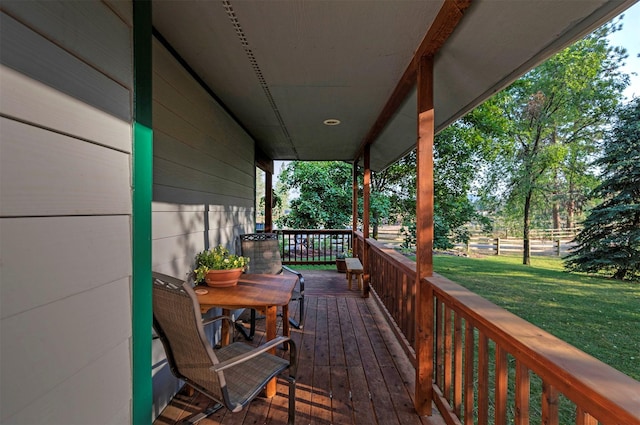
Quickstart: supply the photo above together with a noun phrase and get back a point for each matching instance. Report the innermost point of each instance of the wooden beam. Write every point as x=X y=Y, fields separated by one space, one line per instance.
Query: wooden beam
x=263 y=162
x=268 y=202
x=354 y=197
x=366 y=200
x=424 y=238
x=443 y=25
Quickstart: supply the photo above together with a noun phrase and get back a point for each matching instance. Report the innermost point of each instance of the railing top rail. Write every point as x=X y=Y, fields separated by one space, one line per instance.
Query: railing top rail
x=316 y=231
x=602 y=390
x=403 y=263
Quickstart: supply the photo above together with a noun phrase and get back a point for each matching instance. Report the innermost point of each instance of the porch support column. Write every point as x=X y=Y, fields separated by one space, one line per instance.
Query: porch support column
x=424 y=238
x=365 y=219
x=142 y=197
x=268 y=201
x=354 y=197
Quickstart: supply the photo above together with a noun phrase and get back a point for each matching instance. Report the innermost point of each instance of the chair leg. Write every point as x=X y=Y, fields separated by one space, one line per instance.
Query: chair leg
x=294 y=323
x=301 y=311
x=252 y=328
x=243 y=331
x=292 y=402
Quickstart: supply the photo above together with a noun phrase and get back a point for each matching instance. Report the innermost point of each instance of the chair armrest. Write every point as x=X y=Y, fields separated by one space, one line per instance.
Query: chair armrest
x=254 y=353
x=300 y=278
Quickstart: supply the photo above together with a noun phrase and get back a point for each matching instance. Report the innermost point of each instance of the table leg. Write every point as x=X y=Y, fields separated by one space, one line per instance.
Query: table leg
x=286 y=331
x=270 y=323
x=224 y=331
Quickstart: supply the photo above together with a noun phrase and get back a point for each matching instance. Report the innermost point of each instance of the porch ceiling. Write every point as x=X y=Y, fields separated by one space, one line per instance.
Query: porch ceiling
x=283 y=67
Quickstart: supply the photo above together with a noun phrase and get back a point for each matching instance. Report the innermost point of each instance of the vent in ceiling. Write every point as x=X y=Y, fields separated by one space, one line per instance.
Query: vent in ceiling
x=256 y=69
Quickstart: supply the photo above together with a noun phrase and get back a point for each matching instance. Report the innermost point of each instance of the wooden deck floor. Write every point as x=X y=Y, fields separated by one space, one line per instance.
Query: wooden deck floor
x=351 y=368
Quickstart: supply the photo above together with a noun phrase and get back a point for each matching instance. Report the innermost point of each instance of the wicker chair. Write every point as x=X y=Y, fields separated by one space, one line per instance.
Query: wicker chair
x=264 y=253
x=232 y=375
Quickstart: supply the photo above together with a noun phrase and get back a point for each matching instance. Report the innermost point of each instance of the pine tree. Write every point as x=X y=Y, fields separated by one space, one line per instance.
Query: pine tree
x=610 y=239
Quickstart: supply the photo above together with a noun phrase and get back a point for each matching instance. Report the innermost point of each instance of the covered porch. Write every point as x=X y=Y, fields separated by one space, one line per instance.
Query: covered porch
x=358 y=361
x=145 y=121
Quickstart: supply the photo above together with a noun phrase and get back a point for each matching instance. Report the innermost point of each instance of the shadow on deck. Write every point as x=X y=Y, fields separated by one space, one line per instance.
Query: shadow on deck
x=351 y=369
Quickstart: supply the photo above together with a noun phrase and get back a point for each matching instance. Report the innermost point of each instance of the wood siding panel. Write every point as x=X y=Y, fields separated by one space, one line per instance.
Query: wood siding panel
x=169 y=148
x=169 y=173
x=56 y=241
x=30 y=101
x=45 y=173
x=95 y=399
x=51 y=344
x=65 y=213
x=176 y=90
x=89 y=30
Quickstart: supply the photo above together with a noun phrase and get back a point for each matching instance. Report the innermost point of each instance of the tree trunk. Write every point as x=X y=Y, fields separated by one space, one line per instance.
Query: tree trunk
x=556 y=215
x=375 y=228
x=556 y=205
x=570 y=210
x=526 y=249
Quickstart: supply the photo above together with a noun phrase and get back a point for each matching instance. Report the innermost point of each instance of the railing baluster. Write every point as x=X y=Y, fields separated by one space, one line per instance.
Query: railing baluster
x=439 y=342
x=583 y=418
x=469 y=350
x=549 y=404
x=447 y=354
x=457 y=380
x=502 y=380
x=523 y=389
x=483 y=379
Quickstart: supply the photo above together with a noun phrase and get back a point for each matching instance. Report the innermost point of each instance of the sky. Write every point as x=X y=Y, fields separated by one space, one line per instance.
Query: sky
x=629 y=38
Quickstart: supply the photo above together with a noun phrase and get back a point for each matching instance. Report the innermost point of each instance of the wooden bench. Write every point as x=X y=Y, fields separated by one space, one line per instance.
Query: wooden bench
x=354 y=268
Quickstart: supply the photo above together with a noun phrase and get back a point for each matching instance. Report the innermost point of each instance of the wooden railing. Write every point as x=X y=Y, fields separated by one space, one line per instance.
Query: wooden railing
x=313 y=246
x=491 y=366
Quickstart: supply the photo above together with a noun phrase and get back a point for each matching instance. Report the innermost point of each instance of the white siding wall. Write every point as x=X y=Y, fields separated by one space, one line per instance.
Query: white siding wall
x=204 y=178
x=65 y=210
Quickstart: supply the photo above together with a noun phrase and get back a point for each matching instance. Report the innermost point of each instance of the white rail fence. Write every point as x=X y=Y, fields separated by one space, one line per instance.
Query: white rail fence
x=506 y=246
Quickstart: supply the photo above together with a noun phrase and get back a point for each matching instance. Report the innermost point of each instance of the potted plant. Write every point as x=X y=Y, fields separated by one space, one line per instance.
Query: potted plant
x=341 y=264
x=217 y=267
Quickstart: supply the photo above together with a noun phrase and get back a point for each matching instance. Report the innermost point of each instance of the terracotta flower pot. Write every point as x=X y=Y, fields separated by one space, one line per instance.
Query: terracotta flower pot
x=222 y=278
x=341 y=265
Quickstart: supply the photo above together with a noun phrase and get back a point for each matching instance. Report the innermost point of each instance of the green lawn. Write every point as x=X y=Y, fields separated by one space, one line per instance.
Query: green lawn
x=600 y=316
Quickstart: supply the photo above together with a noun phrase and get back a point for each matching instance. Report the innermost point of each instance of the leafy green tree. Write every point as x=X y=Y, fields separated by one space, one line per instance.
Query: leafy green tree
x=561 y=106
x=458 y=152
x=324 y=194
x=610 y=238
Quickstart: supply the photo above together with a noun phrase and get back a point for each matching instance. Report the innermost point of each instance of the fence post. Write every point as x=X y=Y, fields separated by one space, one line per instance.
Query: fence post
x=468 y=247
x=558 y=247
x=497 y=246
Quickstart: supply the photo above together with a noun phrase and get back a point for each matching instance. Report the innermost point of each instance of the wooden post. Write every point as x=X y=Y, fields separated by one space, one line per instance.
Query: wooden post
x=354 y=207
x=268 y=202
x=424 y=239
x=558 y=247
x=365 y=218
x=497 y=246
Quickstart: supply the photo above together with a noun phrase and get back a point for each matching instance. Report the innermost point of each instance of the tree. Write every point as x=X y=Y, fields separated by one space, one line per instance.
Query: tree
x=458 y=151
x=560 y=107
x=324 y=194
x=610 y=238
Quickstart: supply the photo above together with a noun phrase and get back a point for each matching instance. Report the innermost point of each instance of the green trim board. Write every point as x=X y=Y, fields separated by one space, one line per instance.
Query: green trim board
x=142 y=191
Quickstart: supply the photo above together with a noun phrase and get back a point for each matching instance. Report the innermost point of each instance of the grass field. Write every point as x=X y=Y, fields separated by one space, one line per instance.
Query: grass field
x=599 y=316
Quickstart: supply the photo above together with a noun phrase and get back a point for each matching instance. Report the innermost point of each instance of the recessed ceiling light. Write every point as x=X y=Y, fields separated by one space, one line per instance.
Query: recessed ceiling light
x=331 y=121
